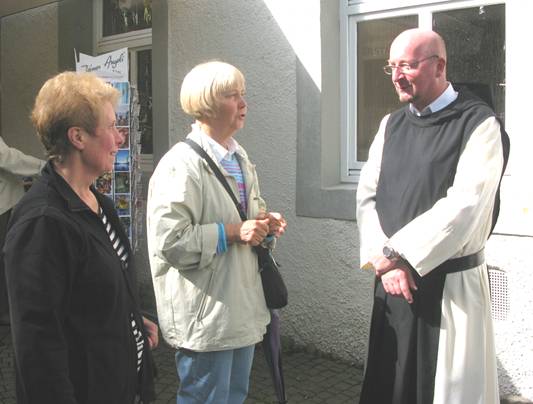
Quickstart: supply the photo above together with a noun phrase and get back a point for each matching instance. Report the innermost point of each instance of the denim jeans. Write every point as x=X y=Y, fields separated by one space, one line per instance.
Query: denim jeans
x=219 y=377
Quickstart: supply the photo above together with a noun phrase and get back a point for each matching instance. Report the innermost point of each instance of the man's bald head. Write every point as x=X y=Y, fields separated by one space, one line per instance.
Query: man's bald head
x=421 y=41
x=425 y=53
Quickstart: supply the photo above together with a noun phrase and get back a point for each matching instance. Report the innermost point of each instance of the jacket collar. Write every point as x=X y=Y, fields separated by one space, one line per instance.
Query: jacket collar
x=201 y=138
x=73 y=201
x=75 y=204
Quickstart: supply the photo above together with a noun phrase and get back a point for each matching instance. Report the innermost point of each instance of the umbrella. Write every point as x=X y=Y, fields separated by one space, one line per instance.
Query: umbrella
x=272 y=350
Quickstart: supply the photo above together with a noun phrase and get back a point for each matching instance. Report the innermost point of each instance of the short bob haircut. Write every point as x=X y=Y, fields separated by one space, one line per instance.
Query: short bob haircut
x=66 y=100
x=205 y=84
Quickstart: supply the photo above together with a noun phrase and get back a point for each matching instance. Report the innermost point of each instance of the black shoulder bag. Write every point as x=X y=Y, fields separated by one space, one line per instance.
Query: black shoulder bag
x=276 y=295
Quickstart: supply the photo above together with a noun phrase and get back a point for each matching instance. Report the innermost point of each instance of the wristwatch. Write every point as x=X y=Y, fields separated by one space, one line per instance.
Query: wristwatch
x=390 y=253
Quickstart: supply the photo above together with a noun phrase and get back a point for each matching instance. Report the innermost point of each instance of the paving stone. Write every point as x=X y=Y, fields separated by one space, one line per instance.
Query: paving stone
x=309 y=378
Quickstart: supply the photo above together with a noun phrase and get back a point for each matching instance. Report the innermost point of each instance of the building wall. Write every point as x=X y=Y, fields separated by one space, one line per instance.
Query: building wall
x=508 y=249
x=330 y=300
x=514 y=327
x=36 y=44
x=29 y=56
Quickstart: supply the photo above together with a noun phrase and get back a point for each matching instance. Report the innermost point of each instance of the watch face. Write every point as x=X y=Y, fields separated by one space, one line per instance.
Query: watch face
x=388 y=252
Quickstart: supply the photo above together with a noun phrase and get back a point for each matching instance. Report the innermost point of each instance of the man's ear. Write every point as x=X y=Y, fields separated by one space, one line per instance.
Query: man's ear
x=441 y=67
x=76 y=137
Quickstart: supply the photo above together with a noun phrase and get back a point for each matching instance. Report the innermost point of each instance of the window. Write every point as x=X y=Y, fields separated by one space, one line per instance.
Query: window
x=374 y=98
x=128 y=23
x=475 y=37
x=121 y=16
x=141 y=78
x=122 y=23
x=474 y=32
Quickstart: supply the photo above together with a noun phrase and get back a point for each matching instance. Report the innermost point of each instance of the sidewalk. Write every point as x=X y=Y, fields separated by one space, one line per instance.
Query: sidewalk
x=308 y=378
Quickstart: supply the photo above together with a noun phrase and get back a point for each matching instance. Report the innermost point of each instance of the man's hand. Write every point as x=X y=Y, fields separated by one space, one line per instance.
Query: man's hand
x=251 y=232
x=152 y=333
x=382 y=264
x=399 y=282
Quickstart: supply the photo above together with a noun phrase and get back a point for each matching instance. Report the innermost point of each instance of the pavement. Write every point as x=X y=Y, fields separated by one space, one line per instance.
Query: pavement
x=309 y=377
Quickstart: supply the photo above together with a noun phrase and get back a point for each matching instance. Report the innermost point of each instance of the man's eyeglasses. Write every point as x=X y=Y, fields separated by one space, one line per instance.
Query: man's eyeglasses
x=405 y=67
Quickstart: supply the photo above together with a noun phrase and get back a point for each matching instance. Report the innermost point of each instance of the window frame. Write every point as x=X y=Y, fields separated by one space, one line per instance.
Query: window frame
x=134 y=39
x=351 y=13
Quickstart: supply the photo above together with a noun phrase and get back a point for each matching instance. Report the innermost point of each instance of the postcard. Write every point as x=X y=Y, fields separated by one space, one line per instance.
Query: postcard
x=124 y=88
x=122 y=182
x=122 y=204
x=122 y=160
x=104 y=183
x=125 y=132
x=123 y=115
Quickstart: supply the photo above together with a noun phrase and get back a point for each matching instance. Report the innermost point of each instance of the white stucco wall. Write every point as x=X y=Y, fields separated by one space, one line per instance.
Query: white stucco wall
x=514 y=333
x=329 y=299
x=511 y=249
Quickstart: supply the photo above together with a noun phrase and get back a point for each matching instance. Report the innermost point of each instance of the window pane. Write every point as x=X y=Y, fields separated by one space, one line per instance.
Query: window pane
x=375 y=93
x=144 y=85
x=475 y=41
x=121 y=16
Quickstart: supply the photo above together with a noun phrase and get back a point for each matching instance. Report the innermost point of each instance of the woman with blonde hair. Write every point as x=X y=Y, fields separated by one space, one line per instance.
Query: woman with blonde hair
x=78 y=335
x=210 y=301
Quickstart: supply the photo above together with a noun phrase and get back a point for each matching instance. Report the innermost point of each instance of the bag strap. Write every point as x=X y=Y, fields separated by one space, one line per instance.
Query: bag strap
x=202 y=153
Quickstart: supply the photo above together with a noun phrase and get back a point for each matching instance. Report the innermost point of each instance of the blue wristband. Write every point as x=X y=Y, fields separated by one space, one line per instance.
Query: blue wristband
x=222 y=245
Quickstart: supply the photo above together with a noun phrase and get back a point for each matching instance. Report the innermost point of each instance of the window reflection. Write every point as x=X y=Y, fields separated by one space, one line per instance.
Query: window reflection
x=375 y=94
x=121 y=16
x=144 y=86
x=475 y=42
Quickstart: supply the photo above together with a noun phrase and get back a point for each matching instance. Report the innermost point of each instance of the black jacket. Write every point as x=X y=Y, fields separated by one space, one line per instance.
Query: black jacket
x=71 y=299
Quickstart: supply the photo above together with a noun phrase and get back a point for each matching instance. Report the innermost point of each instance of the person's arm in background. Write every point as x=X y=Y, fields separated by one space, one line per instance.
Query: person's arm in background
x=18 y=163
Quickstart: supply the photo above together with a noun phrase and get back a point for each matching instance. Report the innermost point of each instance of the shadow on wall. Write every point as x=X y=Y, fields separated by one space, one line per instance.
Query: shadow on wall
x=509 y=393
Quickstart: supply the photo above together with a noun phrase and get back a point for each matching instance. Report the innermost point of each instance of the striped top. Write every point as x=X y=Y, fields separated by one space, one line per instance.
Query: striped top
x=232 y=166
x=122 y=253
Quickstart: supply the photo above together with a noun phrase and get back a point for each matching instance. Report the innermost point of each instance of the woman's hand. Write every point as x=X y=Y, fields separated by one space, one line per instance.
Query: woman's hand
x=251 y=232
x=277 y=223
x=152 y=333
